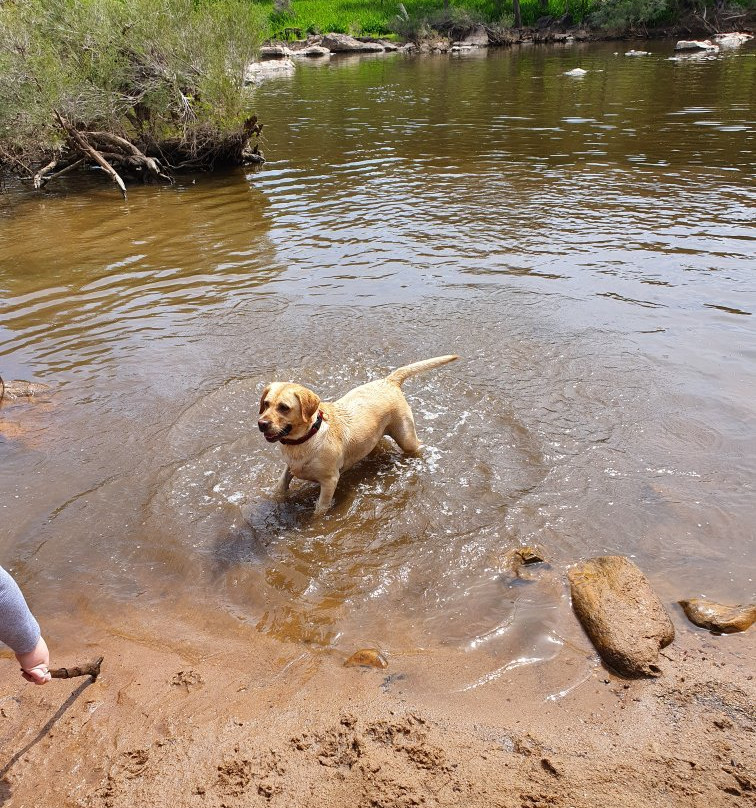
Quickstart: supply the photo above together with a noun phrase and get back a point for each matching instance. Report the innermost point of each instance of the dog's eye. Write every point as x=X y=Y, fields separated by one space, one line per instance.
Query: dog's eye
x=263 y=406
x=283 y=407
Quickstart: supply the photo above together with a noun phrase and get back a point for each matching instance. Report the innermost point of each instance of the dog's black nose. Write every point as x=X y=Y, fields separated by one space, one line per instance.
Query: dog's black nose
x=263 y=425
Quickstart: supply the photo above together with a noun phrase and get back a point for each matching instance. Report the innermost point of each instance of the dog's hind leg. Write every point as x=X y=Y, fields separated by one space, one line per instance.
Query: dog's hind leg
x=402 y=430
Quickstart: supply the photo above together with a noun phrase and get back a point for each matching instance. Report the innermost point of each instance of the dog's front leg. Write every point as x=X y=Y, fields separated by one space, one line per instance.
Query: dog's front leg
x=283 y=483
x=327 y=490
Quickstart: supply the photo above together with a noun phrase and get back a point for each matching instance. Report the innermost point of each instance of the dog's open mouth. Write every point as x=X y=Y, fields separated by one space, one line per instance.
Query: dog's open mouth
x=272 y=437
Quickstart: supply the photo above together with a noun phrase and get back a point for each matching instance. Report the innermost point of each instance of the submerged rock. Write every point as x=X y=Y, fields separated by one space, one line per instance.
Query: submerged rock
x=621 y=614
x=638 y=53
x=367 y=658
x=578 y=71
x=718 y=618
x=519 y=562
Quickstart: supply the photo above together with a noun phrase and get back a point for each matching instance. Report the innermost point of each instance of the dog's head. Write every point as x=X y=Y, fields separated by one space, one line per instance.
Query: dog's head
x=286 y=411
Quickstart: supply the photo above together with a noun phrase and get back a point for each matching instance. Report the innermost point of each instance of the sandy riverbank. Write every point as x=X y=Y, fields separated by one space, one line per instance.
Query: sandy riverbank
x=251 y=721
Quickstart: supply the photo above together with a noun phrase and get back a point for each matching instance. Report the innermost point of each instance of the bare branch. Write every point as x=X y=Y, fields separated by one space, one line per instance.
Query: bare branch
x=84 y=147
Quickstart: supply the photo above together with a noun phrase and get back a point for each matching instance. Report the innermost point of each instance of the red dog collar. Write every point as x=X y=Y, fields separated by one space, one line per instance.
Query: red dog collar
x=313 y=429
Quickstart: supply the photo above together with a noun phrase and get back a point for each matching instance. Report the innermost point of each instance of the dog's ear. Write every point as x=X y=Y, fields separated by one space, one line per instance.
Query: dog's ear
x=262 y=398
x=308 y=402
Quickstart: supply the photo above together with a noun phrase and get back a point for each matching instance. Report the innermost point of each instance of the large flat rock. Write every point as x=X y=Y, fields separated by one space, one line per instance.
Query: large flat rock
x=621 y=614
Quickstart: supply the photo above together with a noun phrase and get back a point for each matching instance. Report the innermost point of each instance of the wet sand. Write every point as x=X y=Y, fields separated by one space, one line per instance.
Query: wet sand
x=250 y=721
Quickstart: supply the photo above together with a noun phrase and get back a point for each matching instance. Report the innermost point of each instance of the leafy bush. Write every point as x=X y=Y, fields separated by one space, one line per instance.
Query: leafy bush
x=149 y=69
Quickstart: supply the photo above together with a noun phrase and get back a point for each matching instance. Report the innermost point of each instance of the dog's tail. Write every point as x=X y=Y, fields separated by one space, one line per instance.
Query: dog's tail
x=403 y=373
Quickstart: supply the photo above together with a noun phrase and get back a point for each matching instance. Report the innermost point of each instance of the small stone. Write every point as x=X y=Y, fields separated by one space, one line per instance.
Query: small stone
x=513 y=563
x=367 y=658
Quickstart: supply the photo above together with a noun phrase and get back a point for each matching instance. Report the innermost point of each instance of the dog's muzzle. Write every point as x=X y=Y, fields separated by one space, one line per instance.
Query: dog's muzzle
x=272 y=437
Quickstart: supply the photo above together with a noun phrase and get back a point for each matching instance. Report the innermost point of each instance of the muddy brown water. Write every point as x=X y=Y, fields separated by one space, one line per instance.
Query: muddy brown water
x=586 y=245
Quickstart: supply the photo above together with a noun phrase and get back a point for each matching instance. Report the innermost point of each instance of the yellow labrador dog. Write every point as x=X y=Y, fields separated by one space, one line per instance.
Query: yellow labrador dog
x=319 y=440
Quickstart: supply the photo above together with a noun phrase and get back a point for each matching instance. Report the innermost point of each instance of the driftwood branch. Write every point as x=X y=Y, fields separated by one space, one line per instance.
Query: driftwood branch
x=39 y=180
x=90 y=669
x=90 y=152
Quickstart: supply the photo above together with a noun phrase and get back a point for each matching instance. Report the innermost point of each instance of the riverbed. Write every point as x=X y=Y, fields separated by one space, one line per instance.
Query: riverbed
x=586 y=245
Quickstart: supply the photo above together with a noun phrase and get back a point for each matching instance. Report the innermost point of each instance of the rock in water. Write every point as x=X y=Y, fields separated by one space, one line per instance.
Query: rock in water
x=20 y=389
x=578 y=71
x=270 y=68
x=696 y=44
x=621 y=614
x=367 y=658
x=718 y=618
x=733 y=40
x=341 y=43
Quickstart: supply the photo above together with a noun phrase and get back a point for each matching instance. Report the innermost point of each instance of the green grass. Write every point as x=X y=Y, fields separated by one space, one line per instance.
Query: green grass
x=379 y=17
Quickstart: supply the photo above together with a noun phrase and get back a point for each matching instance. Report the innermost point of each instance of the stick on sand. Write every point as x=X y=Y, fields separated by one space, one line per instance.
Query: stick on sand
x=90 y=669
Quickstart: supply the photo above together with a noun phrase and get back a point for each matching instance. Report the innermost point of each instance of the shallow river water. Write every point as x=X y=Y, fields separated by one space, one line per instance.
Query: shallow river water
x=587 y=246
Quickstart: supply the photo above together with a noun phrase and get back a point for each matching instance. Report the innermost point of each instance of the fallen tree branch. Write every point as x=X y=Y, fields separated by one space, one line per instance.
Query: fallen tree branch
x=70 y=167
x=85 y=148
x=138 y=159
x=114 y=140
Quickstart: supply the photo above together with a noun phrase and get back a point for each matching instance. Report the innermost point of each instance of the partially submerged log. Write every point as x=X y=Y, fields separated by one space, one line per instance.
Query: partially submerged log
x=718 y=618
x=621 y=614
